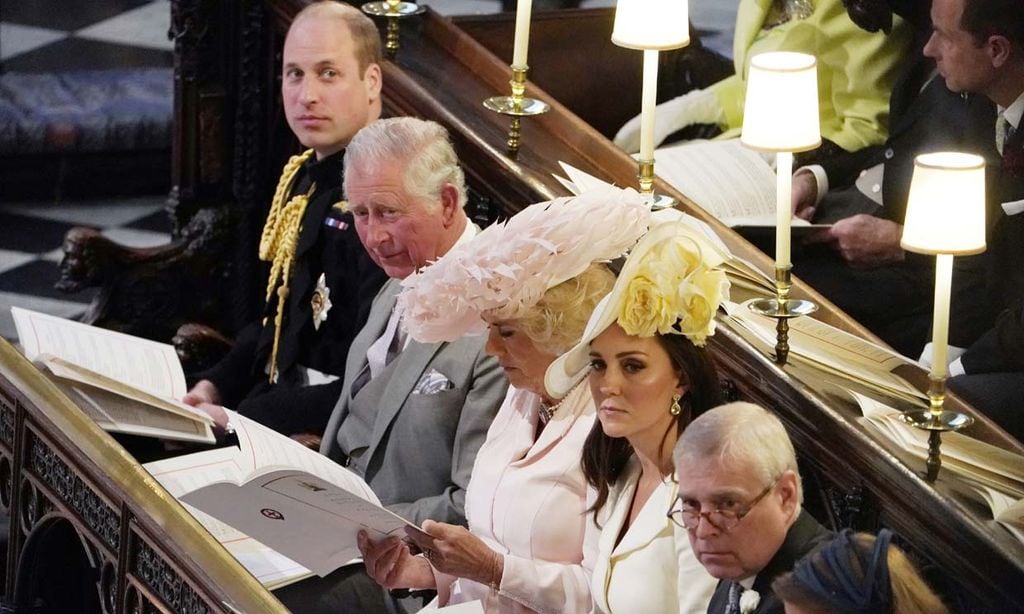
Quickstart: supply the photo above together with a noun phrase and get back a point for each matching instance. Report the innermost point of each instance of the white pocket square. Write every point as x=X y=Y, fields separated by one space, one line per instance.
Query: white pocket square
x=432 y=382
x=1013 y=207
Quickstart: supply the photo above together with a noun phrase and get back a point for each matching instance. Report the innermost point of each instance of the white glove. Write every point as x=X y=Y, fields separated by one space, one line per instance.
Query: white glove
x=953 y=354
x=693 y=107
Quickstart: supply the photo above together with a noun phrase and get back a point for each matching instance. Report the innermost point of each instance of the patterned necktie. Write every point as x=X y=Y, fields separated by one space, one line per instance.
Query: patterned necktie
x=1012 y=152
x=1002 y=132
x=733 y=607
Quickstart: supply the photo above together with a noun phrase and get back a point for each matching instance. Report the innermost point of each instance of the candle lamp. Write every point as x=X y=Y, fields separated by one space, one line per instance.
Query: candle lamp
x=517 y=105
x=392 y=10
x=780 y=115
x=650 y=26
x=945 y=218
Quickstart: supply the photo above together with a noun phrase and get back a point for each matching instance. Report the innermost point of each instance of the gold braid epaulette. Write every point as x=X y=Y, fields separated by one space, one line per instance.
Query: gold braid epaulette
x=279 y=240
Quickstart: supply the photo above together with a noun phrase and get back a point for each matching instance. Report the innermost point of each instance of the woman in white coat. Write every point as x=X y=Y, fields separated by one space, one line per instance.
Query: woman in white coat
x=649 y=378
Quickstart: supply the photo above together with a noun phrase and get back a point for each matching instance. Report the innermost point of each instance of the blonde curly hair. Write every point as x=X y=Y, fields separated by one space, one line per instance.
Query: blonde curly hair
x=556 y=322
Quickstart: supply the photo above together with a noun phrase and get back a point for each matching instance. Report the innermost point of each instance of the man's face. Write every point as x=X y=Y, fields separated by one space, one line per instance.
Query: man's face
x=744 y=550
x=402 y=233
x=326 y=97
x=966 y=66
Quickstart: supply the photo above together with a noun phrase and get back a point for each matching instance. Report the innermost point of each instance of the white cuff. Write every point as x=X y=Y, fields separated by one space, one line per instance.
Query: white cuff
x=820 y=178
x=957 y=368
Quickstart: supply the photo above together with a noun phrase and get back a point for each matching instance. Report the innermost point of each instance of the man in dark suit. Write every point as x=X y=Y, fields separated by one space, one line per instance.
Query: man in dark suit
x=740 y=500
x=858 y=263
x=979 y=44
x=285 y=370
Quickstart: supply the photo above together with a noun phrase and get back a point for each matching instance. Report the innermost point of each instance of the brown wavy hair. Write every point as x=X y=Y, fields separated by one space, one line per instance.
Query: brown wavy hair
x=604 y=457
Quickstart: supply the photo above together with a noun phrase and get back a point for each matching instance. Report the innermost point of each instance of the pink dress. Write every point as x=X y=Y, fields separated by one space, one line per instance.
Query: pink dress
x=527 y=500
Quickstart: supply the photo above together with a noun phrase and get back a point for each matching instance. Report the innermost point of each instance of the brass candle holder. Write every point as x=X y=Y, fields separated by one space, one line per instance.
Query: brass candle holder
x=936 y=420
x=945 y=218
x=392 y=10
x=516 y=106
x=782 y=308
x=645 y=178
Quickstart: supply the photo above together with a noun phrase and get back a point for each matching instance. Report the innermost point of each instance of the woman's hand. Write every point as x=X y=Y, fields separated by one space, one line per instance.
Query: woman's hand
x=453 y=550
x=390 y=563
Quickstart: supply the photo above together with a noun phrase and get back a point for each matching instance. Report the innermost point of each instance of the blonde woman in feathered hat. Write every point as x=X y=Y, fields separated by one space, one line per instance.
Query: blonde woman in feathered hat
x=649 y=376
x=530 y=284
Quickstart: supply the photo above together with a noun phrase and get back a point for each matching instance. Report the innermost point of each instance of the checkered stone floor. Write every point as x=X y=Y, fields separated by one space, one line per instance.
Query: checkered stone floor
x=30 y=248
x=39 y=36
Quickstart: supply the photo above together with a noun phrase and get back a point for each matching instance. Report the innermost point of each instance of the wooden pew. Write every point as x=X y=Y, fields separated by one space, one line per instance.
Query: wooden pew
x=90 y=530
x=231 y=142
x=442 y=73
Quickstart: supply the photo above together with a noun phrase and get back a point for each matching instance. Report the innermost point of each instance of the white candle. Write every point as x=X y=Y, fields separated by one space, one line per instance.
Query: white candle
x=940 y=325
x=649 y=97
x=783 y=206
x=523 y=8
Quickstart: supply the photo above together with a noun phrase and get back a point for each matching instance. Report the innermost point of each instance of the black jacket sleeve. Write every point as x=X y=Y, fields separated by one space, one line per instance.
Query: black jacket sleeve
x=294 y=410
x=234 y=375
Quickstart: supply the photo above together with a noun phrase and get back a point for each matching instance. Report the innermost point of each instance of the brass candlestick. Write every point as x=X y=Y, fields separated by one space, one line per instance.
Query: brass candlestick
x=782 y=308
x=392 y=10
x=645 y=177
x=516 y=106
x=936 y=420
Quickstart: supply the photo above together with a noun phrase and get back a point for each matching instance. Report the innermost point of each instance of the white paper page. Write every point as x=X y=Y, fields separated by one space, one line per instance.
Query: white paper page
x=142 y=363
x=724 y=178
x=966 y=456
x=116 y=414
x=275 y=509
x=183 y=474
x=64 y=369
x=266 y=450
x=832 y=349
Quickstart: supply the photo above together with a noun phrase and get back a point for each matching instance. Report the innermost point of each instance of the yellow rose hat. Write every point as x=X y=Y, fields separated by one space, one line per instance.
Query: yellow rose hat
x=665 y=287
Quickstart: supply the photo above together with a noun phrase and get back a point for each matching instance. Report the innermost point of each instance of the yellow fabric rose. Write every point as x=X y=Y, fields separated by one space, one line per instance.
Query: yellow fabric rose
x=700 y=299
x=673 y=291
x=647 y=309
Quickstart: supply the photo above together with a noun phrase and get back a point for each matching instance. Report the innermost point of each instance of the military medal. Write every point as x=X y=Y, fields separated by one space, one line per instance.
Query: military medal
x=321 y=301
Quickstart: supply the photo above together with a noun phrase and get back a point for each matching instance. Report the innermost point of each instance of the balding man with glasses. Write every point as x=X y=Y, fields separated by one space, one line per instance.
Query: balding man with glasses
x=739 y=500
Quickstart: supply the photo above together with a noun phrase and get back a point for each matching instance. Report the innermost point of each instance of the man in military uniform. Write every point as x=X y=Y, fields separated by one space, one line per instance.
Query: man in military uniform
x=286 y=370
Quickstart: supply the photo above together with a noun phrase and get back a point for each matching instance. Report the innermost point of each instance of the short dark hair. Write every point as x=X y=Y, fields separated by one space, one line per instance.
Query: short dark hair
x=604 y=457
x=365 y=36
x=985 y=18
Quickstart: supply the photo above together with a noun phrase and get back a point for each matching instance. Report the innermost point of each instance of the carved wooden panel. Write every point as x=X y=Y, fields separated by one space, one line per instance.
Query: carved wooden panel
x=76 y=496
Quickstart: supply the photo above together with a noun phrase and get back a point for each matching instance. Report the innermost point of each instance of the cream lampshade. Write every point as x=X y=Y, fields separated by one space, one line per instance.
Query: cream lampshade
x=945 y=217
x=781 y=108
x=780 y=114
x=651 y=24
x=946 y=205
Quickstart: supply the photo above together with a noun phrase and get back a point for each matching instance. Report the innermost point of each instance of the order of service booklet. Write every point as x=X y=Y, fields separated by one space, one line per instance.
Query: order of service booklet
x=980 y=470
x=747 y=280
x=282 y=509
x=126 y=384
x=728 y=180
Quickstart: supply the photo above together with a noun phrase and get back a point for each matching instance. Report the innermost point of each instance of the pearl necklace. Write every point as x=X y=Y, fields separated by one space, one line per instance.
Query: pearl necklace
x=547 y=412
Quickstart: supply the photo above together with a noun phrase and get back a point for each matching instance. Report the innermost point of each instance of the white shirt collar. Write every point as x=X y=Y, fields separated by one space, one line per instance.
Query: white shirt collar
x=1014 y=112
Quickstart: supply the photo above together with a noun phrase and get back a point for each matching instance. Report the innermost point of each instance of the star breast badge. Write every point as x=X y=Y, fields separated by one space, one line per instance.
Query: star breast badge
x=321 y=301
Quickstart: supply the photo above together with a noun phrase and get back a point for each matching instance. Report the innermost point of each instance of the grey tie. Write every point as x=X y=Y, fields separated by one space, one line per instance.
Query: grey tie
x=733 y=607
x=1004 y=130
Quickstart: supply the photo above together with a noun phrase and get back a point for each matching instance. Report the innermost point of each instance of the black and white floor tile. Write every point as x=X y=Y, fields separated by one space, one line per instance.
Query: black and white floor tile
x=61 y=35
x=30 y=248
x=57 y=35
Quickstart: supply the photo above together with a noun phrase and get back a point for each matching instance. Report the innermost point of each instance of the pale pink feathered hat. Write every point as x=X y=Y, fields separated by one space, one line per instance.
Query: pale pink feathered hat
x=508 y=267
